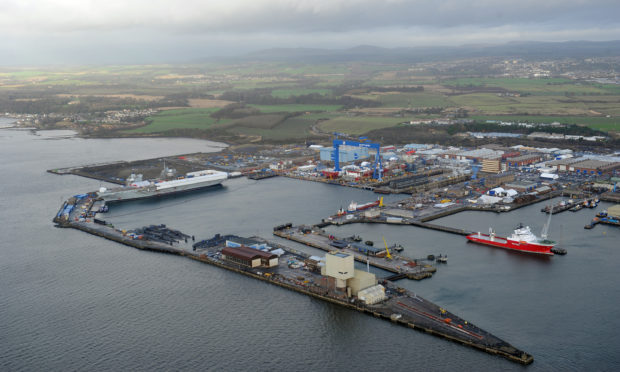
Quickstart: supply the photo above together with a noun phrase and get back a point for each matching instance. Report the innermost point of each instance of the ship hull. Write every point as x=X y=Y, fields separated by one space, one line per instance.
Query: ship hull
x=154 y=192
x=536 y=248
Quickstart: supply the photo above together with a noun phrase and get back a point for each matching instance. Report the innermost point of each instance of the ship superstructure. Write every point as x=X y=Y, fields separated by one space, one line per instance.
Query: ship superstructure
x=138 y=189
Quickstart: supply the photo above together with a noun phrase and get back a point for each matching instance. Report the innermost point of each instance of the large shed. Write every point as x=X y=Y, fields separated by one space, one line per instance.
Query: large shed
x=250 y=257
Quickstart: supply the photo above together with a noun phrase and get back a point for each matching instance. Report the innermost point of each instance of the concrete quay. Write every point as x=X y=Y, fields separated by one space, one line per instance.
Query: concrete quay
x=399 y=306
x=404 y=266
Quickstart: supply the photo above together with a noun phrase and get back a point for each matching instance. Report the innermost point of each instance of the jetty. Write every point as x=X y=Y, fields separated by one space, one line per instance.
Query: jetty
x=283 y=266
x=403 y=267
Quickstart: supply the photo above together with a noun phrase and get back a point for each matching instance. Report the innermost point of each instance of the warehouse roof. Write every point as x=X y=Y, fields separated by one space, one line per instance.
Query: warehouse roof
x=565 y=161
x=247 y=253
x=591 y=164
x=524 y=157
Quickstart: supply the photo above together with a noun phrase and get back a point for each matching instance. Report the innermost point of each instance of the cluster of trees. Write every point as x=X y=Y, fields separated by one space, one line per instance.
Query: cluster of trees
x=570 y=129
x=83 y=104
x=264 y=97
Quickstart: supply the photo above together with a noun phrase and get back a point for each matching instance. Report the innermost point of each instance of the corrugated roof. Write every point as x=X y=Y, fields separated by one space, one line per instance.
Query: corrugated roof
x=591 y=164
x=247 y=253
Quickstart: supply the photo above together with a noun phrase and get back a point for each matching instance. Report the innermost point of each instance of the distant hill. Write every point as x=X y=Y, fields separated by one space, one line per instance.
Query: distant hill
x=529 y=50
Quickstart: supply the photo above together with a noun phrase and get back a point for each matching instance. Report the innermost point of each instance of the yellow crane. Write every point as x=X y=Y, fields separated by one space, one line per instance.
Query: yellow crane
x=387 y=251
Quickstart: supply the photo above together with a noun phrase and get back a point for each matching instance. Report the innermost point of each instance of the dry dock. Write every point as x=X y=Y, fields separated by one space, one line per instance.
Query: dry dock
x=399 y=305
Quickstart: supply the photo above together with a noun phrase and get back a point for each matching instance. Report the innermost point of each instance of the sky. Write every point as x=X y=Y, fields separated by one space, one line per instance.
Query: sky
x=40 y=32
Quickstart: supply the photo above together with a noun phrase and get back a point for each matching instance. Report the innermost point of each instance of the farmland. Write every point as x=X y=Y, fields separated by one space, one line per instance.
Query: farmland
x=357 y=125
x=280 y=101
x=180 y=119
x=296 y=108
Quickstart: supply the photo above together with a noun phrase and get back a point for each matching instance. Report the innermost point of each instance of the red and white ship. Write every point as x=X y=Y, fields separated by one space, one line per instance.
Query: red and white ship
x=522 y=239
x=354 y=207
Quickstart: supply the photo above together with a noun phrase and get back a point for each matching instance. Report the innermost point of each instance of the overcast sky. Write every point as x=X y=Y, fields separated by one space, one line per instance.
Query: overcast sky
x=38 y=32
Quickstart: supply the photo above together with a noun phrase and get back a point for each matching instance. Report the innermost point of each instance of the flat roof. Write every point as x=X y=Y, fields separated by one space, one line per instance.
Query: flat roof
x=247 y=253
x=524 y=157
x=520 y=184
x=591 y=164
x=566 y=161
x=339 y=254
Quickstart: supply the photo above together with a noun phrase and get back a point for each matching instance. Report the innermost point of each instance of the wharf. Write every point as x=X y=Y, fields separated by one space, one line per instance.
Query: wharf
x=261 y=175
x=562 y=206
x=399 y=306
x=606 y=220
x=386 y=219
x=393 y=215
x=610 y=196
x=400 y=265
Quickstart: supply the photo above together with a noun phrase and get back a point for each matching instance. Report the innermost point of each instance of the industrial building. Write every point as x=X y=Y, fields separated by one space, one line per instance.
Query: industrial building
x=499 y=179
x=372 y=295
x=249 y=257
x=477 y=155
x=519 y=161
x=491 y=165
x=340 y=269
x=346 y=153
x=368 y=249
x=360 y=281
x=584 y=166
x=597 y=167
x=340 y=266
x=522 y=186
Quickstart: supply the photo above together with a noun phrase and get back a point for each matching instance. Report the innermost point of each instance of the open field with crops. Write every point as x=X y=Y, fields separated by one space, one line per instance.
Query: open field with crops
x=356 y=125
x=180 y=119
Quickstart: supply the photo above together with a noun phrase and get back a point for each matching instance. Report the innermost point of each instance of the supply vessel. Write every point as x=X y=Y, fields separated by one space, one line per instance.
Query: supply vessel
x=522 y=239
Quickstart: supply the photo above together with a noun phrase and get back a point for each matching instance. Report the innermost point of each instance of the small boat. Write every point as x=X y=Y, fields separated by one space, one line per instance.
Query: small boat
x=442 y=259
x=397 y=248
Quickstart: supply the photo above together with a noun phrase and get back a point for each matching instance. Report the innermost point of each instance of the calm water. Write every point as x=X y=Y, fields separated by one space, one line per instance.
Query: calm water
x=71 y=301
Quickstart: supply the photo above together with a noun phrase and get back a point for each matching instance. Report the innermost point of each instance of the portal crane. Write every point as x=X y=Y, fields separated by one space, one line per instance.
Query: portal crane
x=377 y=167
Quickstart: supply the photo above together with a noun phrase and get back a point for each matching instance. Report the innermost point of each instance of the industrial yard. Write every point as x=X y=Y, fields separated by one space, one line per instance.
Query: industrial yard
x=331 y=278
x=434 y=182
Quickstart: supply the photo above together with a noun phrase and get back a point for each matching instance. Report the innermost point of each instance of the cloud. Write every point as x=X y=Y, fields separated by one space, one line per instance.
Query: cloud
x=241 y=24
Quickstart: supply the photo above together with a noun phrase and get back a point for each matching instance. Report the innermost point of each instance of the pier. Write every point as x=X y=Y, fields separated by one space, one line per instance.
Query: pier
x=398 y=305
x=404 y=267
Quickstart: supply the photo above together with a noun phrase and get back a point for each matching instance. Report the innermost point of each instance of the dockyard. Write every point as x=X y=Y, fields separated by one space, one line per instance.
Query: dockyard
x=294 y=270
x=436 y=190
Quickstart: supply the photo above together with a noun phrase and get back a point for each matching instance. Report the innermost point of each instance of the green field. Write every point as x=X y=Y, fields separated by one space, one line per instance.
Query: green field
x=296 y=108
x=358 y=124
x=318 y=69
x=180 y=119
x=539 y=86
x=407 y=100
x=492 y=104
x=415 y=99
x=295 y=128
x=286 y=93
